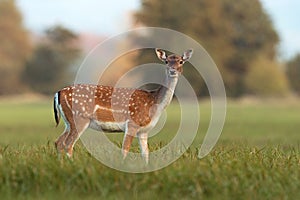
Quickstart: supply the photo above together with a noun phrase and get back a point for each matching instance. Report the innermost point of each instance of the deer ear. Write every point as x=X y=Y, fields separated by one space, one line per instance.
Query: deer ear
x=161 y=54
x=187 y=54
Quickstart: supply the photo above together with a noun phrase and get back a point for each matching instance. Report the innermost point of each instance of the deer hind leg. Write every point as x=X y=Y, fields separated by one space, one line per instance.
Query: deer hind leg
x=60 y=142
x=130 y=132
x=76 y=130
x=143 y=141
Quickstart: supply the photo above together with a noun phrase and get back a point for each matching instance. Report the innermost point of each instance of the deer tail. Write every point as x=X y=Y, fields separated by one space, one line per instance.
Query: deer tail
x=56 y=104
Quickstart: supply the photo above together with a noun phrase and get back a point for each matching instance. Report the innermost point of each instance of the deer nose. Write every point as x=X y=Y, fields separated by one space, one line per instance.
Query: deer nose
x=172 y=72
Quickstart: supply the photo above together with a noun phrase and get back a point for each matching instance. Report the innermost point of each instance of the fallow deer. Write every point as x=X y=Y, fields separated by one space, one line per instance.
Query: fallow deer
x=133 y=111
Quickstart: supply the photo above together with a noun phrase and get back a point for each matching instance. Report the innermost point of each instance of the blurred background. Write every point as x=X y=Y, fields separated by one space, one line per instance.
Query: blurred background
x=255 y=44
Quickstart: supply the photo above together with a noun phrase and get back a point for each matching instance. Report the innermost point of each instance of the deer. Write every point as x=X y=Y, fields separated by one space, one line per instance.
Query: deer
x=110 y=109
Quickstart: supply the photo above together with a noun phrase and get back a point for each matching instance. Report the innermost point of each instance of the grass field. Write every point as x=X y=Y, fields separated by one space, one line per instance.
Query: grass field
x=257 y=157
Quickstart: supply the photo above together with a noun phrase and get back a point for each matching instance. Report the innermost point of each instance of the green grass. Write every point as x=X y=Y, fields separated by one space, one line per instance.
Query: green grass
x=257 y=157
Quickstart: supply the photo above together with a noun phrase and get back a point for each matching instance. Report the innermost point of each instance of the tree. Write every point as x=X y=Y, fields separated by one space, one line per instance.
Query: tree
x=293 y=73
x=265 y=78
x=15 y=48
x=234 y=33
x=49 y=69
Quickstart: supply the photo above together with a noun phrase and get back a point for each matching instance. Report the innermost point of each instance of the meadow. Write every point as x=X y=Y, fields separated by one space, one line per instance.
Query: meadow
x=256 y=157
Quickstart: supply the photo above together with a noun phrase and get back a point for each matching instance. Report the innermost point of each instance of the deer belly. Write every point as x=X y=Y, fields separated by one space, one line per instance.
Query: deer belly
x=107 y=126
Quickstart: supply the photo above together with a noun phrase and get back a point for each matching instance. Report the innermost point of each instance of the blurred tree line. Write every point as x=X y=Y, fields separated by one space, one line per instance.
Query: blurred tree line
x=239 y=36
x=43 y=67
x=15 y=48
x=49 y=67
x=293 y=73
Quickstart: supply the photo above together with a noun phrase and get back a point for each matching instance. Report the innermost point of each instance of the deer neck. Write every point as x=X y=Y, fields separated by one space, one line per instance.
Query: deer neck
x=165 y=93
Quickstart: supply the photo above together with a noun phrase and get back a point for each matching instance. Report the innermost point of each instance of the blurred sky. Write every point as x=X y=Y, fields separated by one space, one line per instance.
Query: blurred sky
x=113 y=16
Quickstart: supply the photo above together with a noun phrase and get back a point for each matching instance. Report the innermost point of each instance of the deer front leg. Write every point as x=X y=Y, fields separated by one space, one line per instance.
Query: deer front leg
x=143 y=141
x=130 y=132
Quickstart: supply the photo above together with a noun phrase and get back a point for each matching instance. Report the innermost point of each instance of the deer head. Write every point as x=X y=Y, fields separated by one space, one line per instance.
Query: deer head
x=174 y=62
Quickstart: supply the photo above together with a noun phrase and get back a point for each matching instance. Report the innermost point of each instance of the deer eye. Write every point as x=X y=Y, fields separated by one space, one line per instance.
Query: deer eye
x=181 y=62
